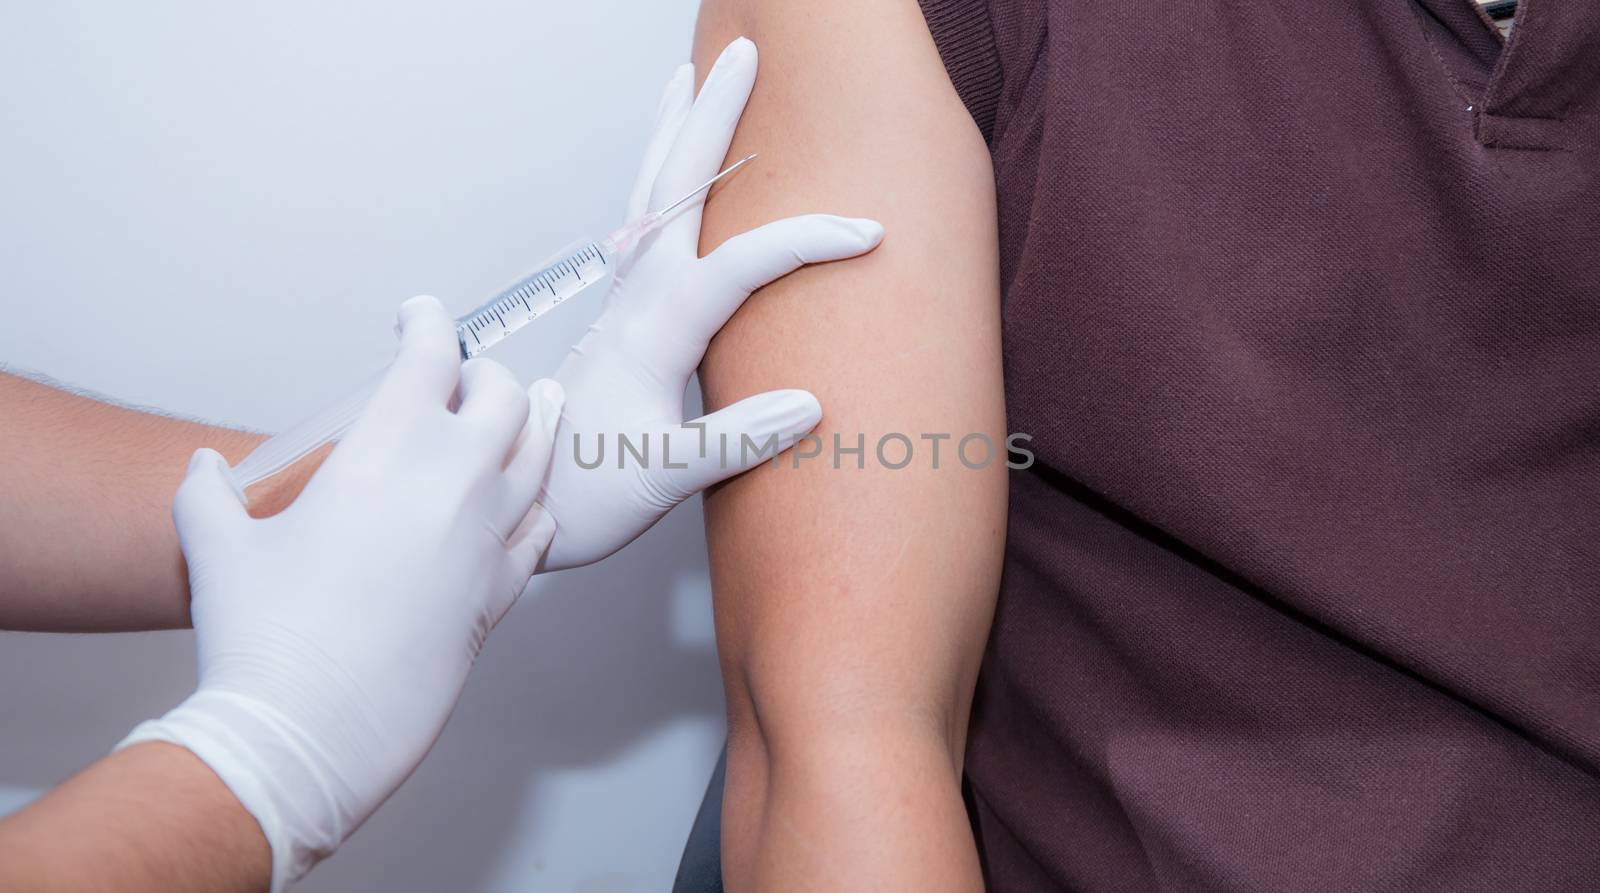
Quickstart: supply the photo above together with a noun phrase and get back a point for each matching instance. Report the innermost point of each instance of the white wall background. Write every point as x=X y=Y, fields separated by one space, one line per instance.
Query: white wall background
x=214 y=208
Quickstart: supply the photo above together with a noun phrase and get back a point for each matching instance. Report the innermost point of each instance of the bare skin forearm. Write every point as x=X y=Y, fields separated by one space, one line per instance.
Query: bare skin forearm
x=149 y=818
x=86 y=536
x=878 y=809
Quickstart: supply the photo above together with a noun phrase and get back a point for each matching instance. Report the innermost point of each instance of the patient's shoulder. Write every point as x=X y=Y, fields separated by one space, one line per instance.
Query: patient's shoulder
x=852 y=108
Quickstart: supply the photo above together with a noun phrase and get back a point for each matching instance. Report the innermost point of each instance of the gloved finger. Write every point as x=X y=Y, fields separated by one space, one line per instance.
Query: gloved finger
x=525 y=547
x=703 y=142
x=494 y=404
x=750 y=260
x=208 y=507
x=529 y=464
x=675 y=105
x=528 y=545
x=428 y=364
x=735 y=439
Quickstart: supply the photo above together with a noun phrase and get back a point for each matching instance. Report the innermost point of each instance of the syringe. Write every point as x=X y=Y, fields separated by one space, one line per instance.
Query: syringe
x=580 y=269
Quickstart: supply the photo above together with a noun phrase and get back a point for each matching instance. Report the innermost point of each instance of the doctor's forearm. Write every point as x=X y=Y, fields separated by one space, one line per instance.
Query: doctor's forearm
x=149 y=818
x=87 y=542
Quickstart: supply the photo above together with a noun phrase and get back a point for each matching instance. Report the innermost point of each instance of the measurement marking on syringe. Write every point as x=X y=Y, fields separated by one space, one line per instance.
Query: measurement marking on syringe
x=533 y=297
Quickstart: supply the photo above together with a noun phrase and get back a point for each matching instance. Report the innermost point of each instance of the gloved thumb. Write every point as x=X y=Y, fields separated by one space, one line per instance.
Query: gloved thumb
x=736 y=439
x=209 y=504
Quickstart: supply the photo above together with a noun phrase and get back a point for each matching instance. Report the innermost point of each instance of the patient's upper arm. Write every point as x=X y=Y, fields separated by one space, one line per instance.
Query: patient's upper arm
x=854 y=604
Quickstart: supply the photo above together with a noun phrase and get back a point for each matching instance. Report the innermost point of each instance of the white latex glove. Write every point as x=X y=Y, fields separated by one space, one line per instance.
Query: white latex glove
x=335 y=637
x=629 y=373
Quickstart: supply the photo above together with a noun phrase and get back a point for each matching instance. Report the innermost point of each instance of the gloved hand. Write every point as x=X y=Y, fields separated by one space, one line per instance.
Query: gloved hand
x=628 y=375
x=335 y=637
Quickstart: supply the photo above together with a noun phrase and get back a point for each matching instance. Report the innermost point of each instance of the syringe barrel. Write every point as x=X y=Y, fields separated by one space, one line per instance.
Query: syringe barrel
x=583 y=267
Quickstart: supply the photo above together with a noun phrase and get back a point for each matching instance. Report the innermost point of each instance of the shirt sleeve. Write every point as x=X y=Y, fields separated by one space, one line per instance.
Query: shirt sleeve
x=965 y=36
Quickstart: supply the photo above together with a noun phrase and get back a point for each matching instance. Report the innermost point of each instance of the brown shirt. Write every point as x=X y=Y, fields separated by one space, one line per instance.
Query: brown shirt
x=1302 y=309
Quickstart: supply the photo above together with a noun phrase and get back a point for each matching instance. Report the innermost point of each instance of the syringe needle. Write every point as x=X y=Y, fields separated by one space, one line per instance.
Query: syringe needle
x=625 y=237
x=707 y=185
